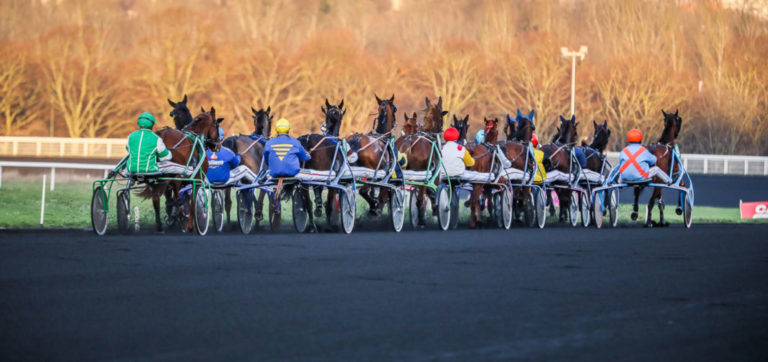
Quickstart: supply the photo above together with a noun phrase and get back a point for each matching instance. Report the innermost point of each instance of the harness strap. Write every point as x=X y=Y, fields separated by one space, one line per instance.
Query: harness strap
x=253 y=143
x=320 y=143
x=377 y=139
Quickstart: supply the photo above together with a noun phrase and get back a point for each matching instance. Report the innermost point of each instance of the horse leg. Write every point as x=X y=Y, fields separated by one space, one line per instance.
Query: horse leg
x=227 y=203
x=257 y=212
x=658 y=193
x=637 y=191
x=422 y=205
x=649 y=210
x=373 y=206
x=329 y=216
x=475 y=217
x=318 y=191
x=551 y=203
x=565 y=203
x=156 y=206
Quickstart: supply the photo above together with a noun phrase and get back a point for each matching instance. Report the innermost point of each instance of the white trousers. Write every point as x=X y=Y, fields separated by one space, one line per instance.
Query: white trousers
x=241 y=172
x=655 y=171
x=172 y=168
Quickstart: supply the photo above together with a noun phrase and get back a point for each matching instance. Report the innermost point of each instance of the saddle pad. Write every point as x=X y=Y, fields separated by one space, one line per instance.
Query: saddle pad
x=513 y=174
x=557 y=176
x=367 y=173
x=411 y=175
x=590 y=176
x=314 y=175
x=474 y=176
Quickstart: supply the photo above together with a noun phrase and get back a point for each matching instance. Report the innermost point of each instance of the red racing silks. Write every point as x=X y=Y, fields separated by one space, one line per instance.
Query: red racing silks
x=632 y=160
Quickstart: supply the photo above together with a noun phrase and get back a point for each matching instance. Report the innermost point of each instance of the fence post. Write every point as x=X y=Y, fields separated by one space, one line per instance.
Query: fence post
x=705 y=166
x=38 y=148
x=725 y=166
x=42 y=203
x=746 y=167
x=765 y=167
x=15 y=148
x=53 y=177
x=61 y=149
x=85 y=149
x=1 y=176
x=109 y=150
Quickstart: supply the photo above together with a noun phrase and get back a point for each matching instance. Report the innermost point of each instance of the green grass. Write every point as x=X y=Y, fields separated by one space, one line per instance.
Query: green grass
x=68 y=206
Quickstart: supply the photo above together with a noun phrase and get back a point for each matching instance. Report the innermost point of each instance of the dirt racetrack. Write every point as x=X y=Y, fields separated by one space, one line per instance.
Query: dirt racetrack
x=560 y=293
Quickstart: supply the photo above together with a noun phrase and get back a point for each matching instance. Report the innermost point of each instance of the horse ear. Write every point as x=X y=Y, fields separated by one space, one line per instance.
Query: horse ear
x=519 y=114
x=440 y=102
x=664 y=113
x=392 y=99
x=341 y=105
x=327 y=104
x=573 y=118
x=455 y=119
x=530 y=115
x=675 y=112
x=594 y=123
x=414 y=116
x=253 y=110
x=378 y=100
x=405 y=116
x=269 y=109
x=322 y=109
x=466 y=119
x=219 y=120
x=213 y=110
x=343 y=112
x=444 y=113
x=184 y=100
x=202 y=109
x=426 y=100
x=562 y=119
x=171 y=103
x=605 y=124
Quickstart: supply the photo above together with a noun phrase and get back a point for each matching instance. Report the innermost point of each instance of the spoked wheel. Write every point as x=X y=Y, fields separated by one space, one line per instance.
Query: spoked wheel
x=275 y=211
x=413 y=208
x=244 y=210
x=506 y=208
x=217 y=209
x=98 y=212
x=584 y=206
x=529 y=215
x=397 y=208
x=300 y=212
x=613 y=207
x=573 y=208
x=496 y=207
x=541 y=208
x=443 y=207
x=201 y=211
x=348 y=208
x=124 y=211
x=597 y=208
x=687 y=211
x=455 y=209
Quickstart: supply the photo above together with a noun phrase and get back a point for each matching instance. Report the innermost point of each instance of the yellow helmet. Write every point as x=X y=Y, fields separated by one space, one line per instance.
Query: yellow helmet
x=282 y=126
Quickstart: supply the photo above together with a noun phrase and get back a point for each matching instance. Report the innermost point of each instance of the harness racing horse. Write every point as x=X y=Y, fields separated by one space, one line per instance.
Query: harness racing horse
x=594 y=151
x=519 y=132
x=663 y=151
x=251 y=148
x=558 y=156
x=322 y=148
x=483 y=155
x=411 y=126
x=417 y=147
x=462 y=125
x=180 y=113
x=371 y=152
x=181 y=143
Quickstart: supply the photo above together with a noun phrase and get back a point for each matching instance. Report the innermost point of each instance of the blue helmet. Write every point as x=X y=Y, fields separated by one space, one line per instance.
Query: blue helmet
x=480 y=136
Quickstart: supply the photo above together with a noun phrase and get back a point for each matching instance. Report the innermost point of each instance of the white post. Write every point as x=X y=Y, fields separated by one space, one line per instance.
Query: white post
x=746 y=167
x=705 y=166
x=53 y=177
x=42 y=203
x=38 y=148
x=573 y=84
x=15 y=148
x=725 y=166
x=765 y=168
x=1 y=176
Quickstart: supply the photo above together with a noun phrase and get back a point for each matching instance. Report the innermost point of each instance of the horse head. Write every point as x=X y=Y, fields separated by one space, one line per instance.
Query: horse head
x=433 y=120
x=207 y=125
x=510 y=127
x=601 y=136
x=491 y=130
x=462 y=125
x=386 y=121
x=333 y=115
x=180 y=113
x=672 y=124
x=568 y=134
x=525 y=126
x=410 y=126
x=262 y=121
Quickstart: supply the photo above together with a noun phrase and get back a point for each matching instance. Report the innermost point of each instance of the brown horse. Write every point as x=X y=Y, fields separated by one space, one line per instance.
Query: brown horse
x=411 y=126
x=462 y=125
x=663 y=151
x=557 y=156
x=183 y=149
x=519 y=132
x=371 y=150
x=418 y=147
x=483 y=155
x=594 y=151
x=250 y=148
x=322 y=149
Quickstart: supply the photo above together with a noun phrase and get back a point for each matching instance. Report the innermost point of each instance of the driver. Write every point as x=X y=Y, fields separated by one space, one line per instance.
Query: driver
x=224 y=166
x=145 y=149
x=636 y=162
x=284 y=153
x=456 y=158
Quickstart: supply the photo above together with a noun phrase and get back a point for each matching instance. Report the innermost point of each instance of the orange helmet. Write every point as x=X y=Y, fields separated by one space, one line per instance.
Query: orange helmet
x=635 y=136
x=534 y=140
x=451 y=134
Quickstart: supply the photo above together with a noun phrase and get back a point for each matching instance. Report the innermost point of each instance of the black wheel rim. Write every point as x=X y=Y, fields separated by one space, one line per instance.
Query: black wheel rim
x=300 y=213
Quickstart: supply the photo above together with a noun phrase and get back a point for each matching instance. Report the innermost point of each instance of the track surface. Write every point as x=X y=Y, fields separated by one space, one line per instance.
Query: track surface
x=561 y=293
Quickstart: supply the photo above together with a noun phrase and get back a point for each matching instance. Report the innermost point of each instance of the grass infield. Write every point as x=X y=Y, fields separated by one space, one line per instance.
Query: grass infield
x=68 y=206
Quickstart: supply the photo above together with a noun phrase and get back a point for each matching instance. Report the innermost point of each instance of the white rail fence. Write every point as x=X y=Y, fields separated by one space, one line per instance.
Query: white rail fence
x=53 y=166
x=62 y=147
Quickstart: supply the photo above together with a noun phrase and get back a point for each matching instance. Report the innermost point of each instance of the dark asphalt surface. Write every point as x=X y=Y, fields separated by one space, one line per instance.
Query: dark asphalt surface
x=560 y=293
x=720 y=191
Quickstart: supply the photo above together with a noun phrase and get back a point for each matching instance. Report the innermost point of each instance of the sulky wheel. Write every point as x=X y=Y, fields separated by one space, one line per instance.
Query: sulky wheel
x=217 y=209
x=124 y=211
x=347 y=205
x=98 y=211
x=541 y=207
x=300 y=212
x=597 y=208
x=573 y=208
x=455 y=209
x=584 y=208
x=201 y=211
x=687 y=211
x=244 y=210
x=443 y=198
x=397 y=208
x=413 y=208
x=529 y=213
x=613 y=207
x=496 y=208
x=506 y=208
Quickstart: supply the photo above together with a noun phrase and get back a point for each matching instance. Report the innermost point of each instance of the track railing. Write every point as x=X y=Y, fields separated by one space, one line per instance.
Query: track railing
x=53 y=166
x=62 y=147
x=718 y=164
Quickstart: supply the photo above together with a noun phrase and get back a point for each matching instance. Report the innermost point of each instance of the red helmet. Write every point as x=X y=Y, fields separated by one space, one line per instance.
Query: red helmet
x=534 y=140
x=635 y=136
x=451 y=134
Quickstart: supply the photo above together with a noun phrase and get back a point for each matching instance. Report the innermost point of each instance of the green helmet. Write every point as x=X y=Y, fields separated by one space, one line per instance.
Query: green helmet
x=146 y=120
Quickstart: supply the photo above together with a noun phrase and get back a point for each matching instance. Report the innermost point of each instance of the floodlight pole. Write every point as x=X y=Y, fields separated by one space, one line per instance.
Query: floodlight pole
x=566 y=53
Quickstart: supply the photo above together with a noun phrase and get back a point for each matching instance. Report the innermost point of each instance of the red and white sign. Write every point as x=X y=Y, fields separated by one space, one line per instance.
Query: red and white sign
x=754 y=210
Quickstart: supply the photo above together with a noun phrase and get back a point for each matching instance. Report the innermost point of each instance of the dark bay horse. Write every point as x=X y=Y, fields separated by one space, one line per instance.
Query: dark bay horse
x=182 y=148
x=371 y=150
x=180 y=113
x=594 y=151
x=519 y=132
x=322 y=148
x=461 y=124
x=483 y=155
x=663 y=151
x=251 y=148
x=557 y=157
x=418 y=147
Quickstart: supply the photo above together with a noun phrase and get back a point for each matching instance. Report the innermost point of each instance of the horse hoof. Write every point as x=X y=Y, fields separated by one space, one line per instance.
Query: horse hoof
x=373 y=213
x=159 y=232
x=634 y=216
x=679 y=211
x=663 y=224
x=318 y=213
